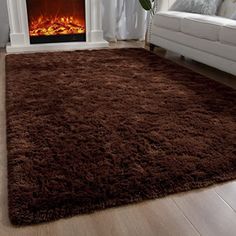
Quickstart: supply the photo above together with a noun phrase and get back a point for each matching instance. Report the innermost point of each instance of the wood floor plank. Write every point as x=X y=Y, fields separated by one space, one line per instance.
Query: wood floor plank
x=158 y=217
x=166 y=218
x=80 y=225
x=208 y=212
x=228 y=193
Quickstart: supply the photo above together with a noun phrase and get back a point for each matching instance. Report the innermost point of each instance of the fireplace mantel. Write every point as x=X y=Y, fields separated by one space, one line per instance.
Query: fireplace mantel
x=19 y=32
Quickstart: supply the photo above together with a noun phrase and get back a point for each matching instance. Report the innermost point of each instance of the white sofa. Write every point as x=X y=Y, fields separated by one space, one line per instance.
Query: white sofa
x=207 y=39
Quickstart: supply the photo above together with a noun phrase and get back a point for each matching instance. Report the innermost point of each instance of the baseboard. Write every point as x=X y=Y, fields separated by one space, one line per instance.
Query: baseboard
x=56 y=47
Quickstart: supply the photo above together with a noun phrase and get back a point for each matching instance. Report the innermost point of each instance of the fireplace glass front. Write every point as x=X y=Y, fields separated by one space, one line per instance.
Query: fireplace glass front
x=56 y=21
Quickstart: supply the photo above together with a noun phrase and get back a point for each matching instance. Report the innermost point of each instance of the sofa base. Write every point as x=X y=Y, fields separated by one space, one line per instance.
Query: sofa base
x=152 y=47
x=195 y=54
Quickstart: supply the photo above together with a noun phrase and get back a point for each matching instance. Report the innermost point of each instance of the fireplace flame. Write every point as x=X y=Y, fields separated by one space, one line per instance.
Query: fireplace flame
x=45 y=26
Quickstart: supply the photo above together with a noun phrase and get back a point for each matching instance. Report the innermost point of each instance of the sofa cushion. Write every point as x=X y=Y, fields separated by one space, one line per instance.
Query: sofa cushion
x=170 y=19
x=205 y=7
x=228 y=33
x=206 y=27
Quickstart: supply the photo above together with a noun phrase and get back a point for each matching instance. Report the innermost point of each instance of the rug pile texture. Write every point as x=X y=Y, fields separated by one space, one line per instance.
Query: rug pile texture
x=88 y=130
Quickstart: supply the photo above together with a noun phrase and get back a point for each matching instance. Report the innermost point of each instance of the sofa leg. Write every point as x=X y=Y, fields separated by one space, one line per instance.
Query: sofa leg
x=152 y=47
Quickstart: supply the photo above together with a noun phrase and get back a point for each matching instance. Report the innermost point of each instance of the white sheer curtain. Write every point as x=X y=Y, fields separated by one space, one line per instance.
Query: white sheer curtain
x=123 y=19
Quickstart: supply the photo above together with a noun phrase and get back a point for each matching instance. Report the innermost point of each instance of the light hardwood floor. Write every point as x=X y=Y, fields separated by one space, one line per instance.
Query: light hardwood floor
x=210 y=211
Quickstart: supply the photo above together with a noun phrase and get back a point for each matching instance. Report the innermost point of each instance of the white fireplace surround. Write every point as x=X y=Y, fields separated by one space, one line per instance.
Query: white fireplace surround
x=19 y=31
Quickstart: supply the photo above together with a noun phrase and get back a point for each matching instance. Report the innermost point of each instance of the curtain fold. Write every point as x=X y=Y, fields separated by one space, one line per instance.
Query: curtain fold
x=123 y=20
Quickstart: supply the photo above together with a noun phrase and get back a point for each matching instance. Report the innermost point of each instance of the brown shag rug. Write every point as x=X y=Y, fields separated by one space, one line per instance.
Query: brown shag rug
x=89 y=130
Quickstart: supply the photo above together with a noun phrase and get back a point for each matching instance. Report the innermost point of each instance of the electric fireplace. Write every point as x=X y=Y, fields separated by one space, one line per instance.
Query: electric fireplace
x=46 y=25
x=56 y=21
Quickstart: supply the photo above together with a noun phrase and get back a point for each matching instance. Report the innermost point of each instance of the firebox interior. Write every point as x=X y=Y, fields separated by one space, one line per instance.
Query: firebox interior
x=56 y=21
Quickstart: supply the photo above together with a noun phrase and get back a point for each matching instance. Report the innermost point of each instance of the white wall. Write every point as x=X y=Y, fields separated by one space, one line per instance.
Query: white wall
x=4 y=28
x=165 y=4
x=171 y=2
